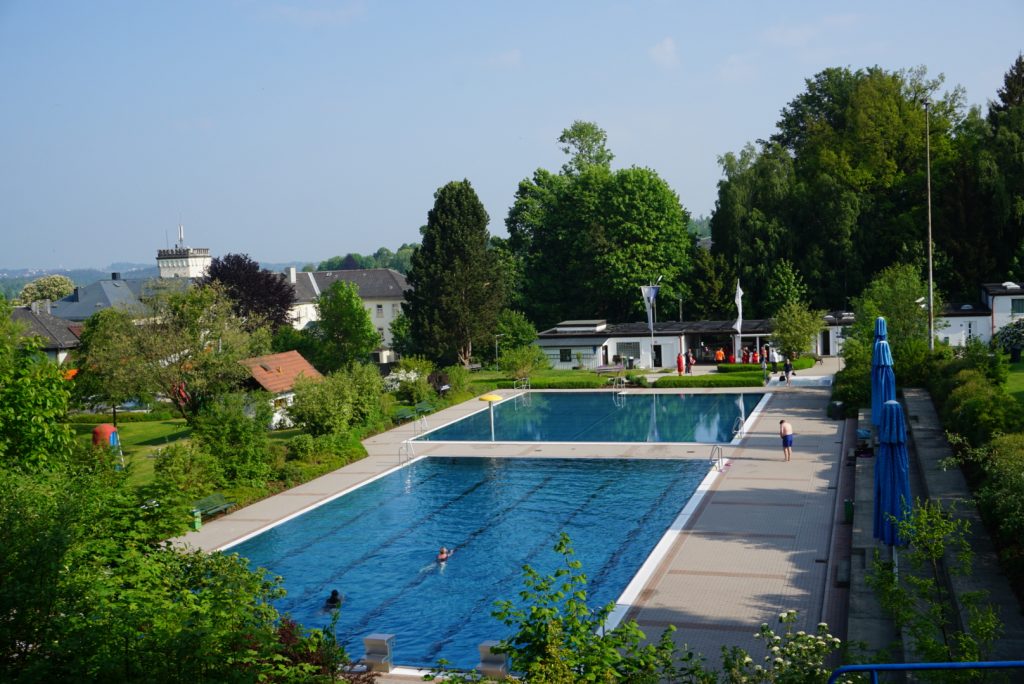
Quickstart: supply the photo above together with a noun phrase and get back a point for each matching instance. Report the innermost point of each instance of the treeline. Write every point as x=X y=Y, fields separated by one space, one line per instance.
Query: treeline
x=839 y=190
x=382 y=258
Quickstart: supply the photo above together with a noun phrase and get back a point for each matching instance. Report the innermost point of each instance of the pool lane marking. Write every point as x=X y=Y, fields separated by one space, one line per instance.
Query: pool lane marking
x=629 y=597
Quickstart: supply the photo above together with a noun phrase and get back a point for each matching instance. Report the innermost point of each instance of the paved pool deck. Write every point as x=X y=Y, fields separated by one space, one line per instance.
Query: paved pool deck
x=766 y=537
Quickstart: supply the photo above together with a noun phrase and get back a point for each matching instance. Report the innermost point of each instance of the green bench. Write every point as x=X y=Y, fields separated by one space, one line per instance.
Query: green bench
x=207 y=506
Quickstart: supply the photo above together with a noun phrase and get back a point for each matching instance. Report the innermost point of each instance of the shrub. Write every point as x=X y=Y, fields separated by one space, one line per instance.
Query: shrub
x=753 y=379
x=410 y=382
x=977 y=409
x=367 y=387
x=98 y=418
x=188 y=469
x=233 y=428
x=522 y=361
x=458 y=378
x=323 y=406
x=574 y=381
x=800 y=363
x=301 y=448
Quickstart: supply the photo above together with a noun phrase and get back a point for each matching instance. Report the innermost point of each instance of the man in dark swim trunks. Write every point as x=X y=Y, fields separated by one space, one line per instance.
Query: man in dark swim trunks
x=786 y=433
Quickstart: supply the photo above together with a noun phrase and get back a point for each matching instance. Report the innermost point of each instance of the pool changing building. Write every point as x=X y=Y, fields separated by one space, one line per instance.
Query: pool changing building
x=594 y=343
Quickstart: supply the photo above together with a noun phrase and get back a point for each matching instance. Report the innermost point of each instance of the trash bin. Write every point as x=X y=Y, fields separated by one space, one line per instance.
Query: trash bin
x=629 y=362
x=197 y=519
x=835 y=410
x=848 y=511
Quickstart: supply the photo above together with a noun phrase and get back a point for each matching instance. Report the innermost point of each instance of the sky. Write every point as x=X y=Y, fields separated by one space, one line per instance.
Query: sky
x=297 y=131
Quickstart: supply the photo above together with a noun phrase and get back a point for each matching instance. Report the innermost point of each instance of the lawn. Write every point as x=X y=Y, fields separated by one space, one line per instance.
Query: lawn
x=1015 y=382
x=141 y=441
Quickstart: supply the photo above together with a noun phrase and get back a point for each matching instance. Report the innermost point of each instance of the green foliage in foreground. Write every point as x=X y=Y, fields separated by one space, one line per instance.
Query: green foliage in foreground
x=799 y=363
x=920 y=601
x=558 y=639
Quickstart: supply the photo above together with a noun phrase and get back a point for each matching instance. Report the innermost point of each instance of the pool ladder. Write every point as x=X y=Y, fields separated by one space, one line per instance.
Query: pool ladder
x=717 y=458
x=406 y=452
x=737 y=427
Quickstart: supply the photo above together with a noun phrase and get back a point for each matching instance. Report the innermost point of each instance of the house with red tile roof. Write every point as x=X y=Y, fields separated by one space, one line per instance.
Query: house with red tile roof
x=277 y=373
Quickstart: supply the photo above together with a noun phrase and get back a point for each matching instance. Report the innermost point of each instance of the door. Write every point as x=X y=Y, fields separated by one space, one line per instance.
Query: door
x=825 y=348
x=657 y=356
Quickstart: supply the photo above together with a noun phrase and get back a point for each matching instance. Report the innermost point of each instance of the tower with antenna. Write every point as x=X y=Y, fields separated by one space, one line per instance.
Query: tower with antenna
x=182 y=261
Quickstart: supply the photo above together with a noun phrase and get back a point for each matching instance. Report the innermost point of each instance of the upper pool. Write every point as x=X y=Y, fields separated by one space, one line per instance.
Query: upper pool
x=605 y=417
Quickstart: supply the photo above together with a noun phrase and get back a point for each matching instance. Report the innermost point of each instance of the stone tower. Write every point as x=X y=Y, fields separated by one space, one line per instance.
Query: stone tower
x=181 y=261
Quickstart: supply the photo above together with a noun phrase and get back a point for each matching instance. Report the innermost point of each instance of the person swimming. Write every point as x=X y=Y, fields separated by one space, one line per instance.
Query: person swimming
x=333 y=601
x=444 y=554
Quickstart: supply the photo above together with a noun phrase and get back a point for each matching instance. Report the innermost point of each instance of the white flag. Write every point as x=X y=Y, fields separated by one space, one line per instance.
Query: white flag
x=739 y=308
x=650 y=293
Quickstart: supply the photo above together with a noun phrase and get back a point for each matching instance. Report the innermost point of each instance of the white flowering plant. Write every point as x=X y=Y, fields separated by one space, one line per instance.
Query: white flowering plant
x=794 y=657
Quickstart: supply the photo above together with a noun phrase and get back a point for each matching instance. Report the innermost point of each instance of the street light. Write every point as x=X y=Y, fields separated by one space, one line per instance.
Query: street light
x=496 y=346
x=928 y=167
x=490 y=399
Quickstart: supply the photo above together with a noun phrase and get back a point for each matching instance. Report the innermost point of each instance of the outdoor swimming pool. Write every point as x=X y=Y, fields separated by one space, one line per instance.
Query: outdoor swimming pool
x=377 y=544
x=605 y=417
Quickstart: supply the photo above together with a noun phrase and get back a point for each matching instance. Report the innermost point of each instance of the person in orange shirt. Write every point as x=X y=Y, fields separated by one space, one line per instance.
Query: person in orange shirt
x=719 y=355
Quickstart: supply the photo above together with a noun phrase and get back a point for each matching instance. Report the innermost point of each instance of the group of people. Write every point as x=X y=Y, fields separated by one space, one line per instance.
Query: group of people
x=685 y=364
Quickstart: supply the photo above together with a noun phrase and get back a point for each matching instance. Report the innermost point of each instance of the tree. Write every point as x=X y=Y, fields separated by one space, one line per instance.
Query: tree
x=33 y=402
x=795 y=328
x=189 y=347
x=259 y=297
x=51 y=287
x=323 y=406
x=709 y=289
x=401 y=336
x=587 y=238
x=456 y=289
x=784 y=286
x=586 y=144
x=345 y=331
x=106 y=372
x=513 y=330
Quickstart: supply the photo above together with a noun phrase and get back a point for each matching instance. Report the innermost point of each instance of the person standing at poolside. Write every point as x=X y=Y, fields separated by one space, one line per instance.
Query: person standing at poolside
x=787 y=368
x=786 y=433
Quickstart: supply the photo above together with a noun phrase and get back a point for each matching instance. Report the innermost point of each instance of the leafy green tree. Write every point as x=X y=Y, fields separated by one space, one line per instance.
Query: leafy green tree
x=589 y=237
x=521 y=362
x=52 y=287
x=259 y=297
x=323 y=406
x=456 y=289
x=233 y=429
x=784 y=286
x=345 y=332
x=33 y=402
x=710 y=287
x=513 y=330
x=795 y=328
x=189 y=347
x=107 y=374
x=401 y=336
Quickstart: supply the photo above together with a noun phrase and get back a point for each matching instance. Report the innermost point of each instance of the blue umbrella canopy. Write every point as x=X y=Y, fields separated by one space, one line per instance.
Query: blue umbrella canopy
x=883 y=380
x=880 y=330
x=892 y=474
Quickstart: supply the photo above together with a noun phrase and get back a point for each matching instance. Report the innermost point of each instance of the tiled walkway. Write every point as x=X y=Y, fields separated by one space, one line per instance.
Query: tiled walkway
x=760 y=543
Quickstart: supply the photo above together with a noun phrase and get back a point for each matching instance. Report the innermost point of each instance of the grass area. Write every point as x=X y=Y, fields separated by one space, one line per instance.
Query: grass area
x=1015 y=381
x=140 y=442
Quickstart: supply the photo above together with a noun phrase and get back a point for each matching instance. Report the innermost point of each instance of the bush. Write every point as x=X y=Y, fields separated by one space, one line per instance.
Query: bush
x=411 y=382
x=978 y=410
x=752 y=379
x=367 y=387
x=188 y=469
x=301 y=448
x=799 y=363
x=458 y=378
x=233 y=428
x=99 y=418
x=323 y=406
x=523 y=361
x=574 y=381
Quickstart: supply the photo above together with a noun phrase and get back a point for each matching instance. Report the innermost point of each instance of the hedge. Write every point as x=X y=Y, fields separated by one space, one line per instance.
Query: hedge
x=582 y=381
x=122 y=417
x=800 y=363
x=755 y=379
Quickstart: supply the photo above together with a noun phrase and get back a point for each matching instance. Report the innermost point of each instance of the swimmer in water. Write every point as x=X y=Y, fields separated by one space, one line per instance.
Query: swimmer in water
x=444 y=554
x=333 y=601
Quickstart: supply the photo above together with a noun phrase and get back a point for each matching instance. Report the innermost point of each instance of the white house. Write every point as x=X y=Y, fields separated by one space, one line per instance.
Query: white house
x=381 y=289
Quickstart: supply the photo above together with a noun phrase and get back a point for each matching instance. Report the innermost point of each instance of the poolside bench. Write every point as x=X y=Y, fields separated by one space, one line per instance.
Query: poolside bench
x=474 y=367
x=211 y=505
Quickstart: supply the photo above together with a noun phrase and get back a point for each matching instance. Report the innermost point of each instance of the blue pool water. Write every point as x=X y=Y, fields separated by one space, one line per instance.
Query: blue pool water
x=605 y=417
x=377 y=544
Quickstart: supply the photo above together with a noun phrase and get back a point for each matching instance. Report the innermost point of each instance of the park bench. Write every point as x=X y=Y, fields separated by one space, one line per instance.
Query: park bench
x=211 y=505
x=474 y=367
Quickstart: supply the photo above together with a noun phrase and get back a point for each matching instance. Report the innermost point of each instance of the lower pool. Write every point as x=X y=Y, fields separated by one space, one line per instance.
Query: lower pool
x=559 y=416
x=377 y=544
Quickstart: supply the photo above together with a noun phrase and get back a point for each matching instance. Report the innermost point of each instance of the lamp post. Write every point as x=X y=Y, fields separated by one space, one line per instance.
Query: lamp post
x=928 y=182
x=496 y=346
x=490 y=399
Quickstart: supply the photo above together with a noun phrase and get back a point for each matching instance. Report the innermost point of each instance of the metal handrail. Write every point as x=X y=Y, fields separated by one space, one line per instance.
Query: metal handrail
x=405 y=449
x=717 y=457
x=874 y=669
x=737 y=426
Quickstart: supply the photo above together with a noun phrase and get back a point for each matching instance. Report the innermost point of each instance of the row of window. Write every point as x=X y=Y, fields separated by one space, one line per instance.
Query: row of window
x=395 y=310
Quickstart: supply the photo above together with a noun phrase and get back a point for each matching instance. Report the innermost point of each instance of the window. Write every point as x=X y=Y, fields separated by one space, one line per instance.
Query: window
x=1017 y=306
x=625 y=349
x=380 y=311
x=380 y=331
x=396 y=309
x=565 y=355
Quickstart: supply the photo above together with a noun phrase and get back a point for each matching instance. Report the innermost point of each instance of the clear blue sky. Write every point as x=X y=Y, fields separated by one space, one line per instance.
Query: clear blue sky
x=302 y=130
